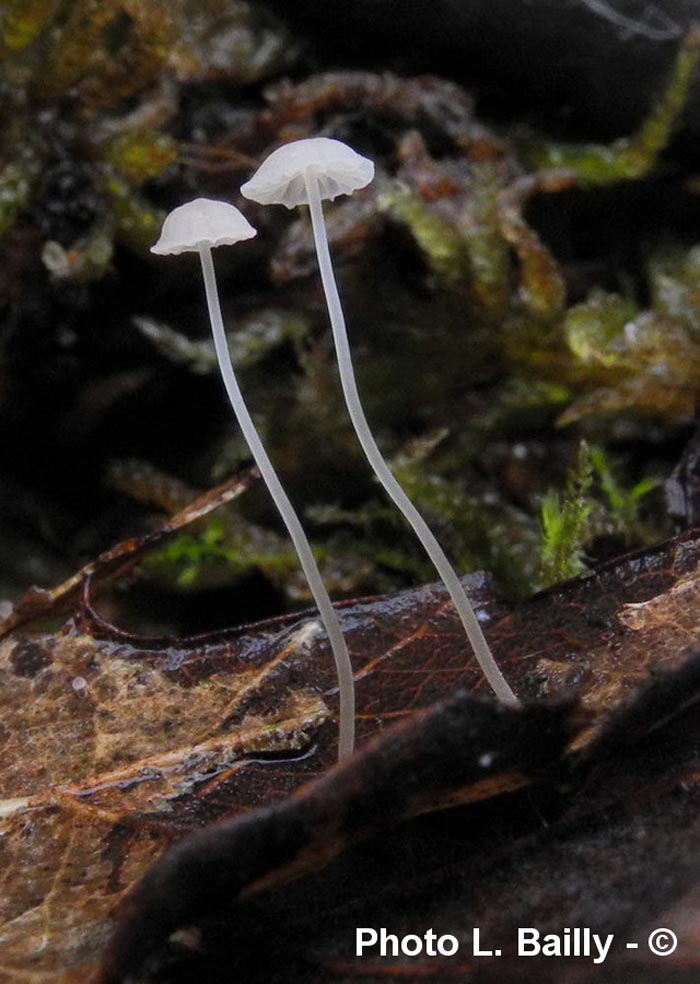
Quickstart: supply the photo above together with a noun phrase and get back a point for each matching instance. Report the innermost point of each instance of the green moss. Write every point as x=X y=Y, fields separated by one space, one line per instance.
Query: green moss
x=24 y=20
x=467 y=244
x=541 y=293
x=623 y=504
x=141 y=156
x=477 y=359
x=594 y=330
x=595 y=502
x=251 y=340
x=103 y=67
x=624 y=359
x=440 y=242
x=630 y=157
x=674 y=285
x=109 y=50
x=220 y=553
x=486 y=249
x=136 y=222
x=565 y=519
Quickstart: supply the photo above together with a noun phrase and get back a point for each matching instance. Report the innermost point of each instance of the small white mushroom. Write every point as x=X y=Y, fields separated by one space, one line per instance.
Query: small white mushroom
x=201 y=224
x=197 y=227
x=305 y=172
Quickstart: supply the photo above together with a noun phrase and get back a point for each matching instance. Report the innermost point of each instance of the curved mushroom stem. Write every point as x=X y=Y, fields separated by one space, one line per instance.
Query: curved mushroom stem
x=346 y=686
x=379 y=465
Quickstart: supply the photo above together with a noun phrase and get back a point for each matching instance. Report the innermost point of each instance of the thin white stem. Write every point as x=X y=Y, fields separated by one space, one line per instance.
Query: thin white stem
x=379 y=465
x=346 y=686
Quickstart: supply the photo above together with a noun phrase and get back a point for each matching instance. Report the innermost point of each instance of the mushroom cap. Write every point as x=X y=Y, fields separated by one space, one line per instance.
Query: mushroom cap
x=280 y=178
x=202 y=222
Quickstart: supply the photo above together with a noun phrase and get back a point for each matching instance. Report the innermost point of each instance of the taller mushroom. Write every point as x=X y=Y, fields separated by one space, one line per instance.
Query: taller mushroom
x=196 y=227
x=305 y=172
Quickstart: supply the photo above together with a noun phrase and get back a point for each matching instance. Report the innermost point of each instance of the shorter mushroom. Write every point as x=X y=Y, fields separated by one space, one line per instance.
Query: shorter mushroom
x=305 y=172
x=197 y=227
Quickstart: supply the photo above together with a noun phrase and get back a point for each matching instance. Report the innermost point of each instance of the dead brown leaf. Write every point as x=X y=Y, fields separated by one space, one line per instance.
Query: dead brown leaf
x=115 y=746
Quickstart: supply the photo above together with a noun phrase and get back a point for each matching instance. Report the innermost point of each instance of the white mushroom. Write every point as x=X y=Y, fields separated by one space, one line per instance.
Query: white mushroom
x=200 y=224
x=306 y=172
x=289 y=174
x=197 y=227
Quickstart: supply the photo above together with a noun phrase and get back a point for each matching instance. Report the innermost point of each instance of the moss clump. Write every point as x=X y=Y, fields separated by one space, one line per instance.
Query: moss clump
x=109 y=72
x=219 y=554
x=564 y=522
x=593 y=503
x=474 y=317
x=630 y=157
x=626 y=359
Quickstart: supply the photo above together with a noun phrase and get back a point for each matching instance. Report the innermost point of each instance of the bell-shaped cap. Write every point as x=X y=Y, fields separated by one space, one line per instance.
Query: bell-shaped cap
x=202 y=222
x=280 y=180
